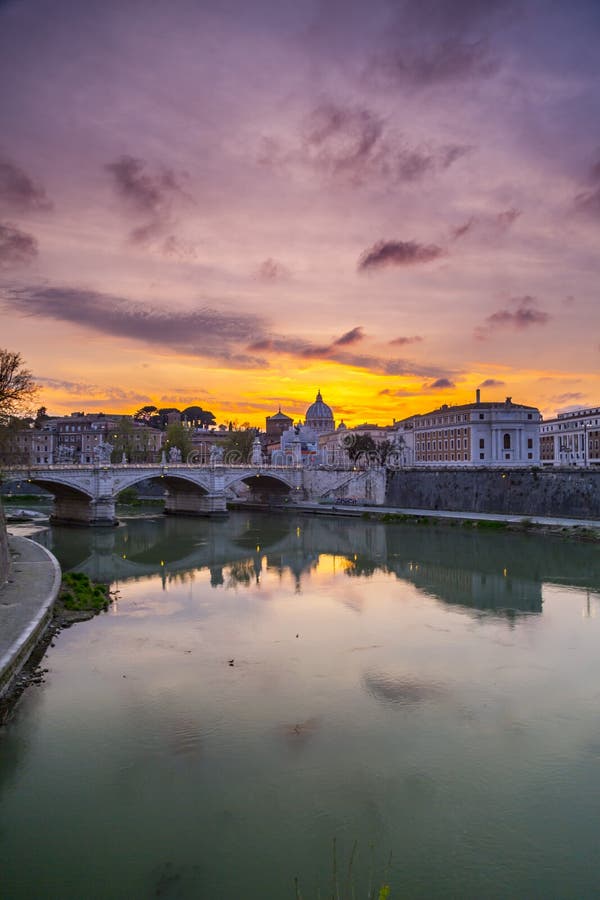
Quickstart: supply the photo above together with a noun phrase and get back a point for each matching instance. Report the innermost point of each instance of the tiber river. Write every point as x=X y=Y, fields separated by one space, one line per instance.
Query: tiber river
x=429 y=693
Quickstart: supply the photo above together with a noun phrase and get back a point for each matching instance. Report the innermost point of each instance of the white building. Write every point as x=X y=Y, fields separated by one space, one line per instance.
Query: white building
x=480 y=434
x=571 y=439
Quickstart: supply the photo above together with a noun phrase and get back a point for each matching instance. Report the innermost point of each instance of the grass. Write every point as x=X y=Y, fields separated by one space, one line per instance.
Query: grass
x=80 y=594
x=343 y=881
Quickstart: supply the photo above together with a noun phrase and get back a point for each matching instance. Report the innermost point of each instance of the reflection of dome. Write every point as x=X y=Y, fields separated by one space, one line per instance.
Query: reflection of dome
x=319 y=416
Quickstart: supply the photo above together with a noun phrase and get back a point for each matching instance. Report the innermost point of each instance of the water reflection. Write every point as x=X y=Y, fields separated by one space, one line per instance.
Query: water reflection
x=495 y=572
x=393 y=691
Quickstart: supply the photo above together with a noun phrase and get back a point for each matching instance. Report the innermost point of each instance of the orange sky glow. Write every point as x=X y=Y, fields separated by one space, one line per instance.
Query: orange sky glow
x=235 y=205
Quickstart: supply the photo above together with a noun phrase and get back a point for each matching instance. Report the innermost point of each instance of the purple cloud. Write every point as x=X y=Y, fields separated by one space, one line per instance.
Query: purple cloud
x=448 y=61
x=152 y=195
x=492 y=382
x=403 y=341
x=488 y=225
x=202 y=332
x=352 y=145
x=18 y=192
x=398 y=253
x=522 y=313
x=350 y=337
x=17 y=248
x=271 y=270
x=441 y=384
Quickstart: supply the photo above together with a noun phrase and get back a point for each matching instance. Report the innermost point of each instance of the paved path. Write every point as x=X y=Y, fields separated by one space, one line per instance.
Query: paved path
x=26 y=603
x=342 y=509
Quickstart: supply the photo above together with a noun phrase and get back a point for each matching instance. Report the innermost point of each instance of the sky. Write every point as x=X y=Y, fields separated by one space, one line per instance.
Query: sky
x=234 y=204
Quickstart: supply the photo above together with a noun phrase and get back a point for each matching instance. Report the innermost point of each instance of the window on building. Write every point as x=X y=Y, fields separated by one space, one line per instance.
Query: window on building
x=530 y=415
x=482 y=456
x=481 y=443
x=530 y=456
x=481 y=415
x=507 y=442
x=530 y=443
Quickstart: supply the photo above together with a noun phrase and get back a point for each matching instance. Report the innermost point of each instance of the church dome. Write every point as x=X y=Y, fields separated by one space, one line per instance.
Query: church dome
x=319 y=416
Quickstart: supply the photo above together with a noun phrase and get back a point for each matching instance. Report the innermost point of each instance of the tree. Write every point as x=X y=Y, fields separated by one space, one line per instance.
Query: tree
x=238 y=445
x=195 y=415
x=146 y=414
x=17 y=387
x=365 y=450
x=41 y=416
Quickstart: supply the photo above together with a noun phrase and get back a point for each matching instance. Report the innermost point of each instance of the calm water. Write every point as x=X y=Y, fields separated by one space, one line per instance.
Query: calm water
x=433 y=693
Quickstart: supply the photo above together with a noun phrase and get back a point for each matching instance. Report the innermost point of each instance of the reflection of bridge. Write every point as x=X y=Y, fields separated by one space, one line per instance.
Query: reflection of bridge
x=86 y=494
x=499 y=573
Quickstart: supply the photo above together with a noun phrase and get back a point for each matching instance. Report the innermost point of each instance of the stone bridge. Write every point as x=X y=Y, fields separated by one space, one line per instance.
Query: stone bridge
x=86 y=494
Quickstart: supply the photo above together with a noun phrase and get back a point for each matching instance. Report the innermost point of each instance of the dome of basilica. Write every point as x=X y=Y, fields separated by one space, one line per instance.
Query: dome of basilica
x=319 y=416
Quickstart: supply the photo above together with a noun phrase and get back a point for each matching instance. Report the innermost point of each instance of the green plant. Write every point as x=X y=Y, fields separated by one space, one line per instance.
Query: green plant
x=83 y=595
x=345 y=887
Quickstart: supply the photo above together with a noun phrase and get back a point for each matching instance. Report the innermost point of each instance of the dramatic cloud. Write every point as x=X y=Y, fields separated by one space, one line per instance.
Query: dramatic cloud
x=18 y=192
x=202 y=332
x=522 y=313
x=304 y=349
x=93 y=391
x=151 y=195
x=398 y=253
x=17 y=248
x=492 y=382
x=353 y=145
x=403 y=341
x=270 y=271
x=441 y=384
x=351 y=337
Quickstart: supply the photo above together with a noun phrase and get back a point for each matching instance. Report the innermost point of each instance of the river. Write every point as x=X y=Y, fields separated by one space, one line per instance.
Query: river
x=264 y=685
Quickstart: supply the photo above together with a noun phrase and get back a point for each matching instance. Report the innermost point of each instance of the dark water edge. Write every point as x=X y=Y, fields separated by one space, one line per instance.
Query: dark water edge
x=428 y=691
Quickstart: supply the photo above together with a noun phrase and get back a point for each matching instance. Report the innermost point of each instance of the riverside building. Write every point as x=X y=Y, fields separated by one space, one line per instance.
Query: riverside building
x=571 y=439
x=476 y=434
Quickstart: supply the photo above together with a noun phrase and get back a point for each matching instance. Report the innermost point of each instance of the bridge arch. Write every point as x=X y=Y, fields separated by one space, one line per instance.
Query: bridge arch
x=173 y=481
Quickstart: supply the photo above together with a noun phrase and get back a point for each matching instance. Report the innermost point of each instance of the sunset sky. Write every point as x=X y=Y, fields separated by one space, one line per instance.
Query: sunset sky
x=235 y=203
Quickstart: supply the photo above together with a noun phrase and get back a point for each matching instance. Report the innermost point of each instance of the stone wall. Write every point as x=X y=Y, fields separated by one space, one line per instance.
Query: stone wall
x=367 y=486
x=4 y=557
x=526 y=492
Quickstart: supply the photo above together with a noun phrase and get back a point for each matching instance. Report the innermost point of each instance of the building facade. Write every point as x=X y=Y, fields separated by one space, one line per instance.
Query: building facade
x=480 y=434
x=571 y=439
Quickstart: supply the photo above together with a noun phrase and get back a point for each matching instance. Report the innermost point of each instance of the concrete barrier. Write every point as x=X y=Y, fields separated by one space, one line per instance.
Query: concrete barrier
x=26 y=604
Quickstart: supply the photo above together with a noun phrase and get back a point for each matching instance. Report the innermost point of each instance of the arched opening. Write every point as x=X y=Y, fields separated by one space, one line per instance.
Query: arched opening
x=507 y=441
x=266 y=490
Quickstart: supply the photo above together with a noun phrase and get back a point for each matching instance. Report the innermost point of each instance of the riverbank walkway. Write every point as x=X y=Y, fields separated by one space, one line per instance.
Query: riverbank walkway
x=26 y=603
x=337 y=509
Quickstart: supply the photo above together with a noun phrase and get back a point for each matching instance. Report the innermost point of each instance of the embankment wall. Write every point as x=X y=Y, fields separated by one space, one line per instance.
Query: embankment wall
x=4 y=557
x=526 y=492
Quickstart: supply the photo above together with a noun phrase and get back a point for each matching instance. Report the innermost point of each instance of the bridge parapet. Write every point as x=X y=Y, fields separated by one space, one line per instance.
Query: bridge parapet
x=86 y=494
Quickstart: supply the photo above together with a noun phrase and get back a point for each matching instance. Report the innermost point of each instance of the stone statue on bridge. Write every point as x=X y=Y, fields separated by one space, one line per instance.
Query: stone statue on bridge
x=64 y=453
x=257 y=454
x=102 y=453
x=174 y=455
x=216 y=454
